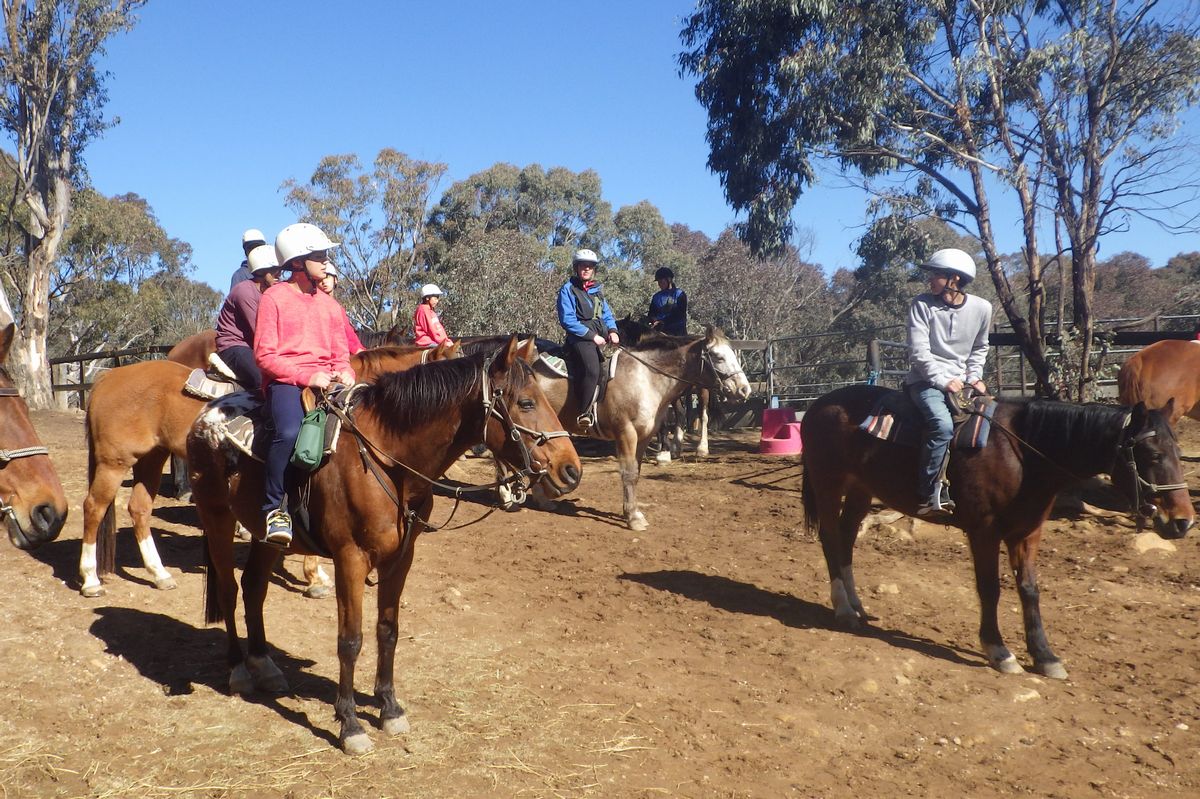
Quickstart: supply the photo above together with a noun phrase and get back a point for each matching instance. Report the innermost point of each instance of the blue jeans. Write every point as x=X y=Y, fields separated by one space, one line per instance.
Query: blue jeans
x=286 y=412
x=939 y=427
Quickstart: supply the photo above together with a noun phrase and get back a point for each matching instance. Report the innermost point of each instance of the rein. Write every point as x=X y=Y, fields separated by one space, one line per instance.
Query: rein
x=705 y=357
x=9 y=455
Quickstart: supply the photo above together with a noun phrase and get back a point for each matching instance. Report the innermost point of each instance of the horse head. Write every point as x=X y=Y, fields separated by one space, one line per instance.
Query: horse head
x=522 y=430
x=721 y=358
x=32 y=502
x=1148 y=471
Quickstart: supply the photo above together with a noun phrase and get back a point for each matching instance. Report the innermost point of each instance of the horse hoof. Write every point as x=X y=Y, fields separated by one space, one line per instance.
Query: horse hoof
x=1008 y=666
x=357 y=744
x=703 y=453
x=316 y=591
x=240 y=681
x=1053 y=669
x=92 y=591
x=396 y=726
x=638 y=523
x=849 y=620
x=166 y=584
x=663 y=458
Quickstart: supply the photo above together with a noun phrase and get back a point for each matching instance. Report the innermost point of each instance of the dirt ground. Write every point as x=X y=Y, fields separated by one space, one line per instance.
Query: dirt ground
x=548 y=655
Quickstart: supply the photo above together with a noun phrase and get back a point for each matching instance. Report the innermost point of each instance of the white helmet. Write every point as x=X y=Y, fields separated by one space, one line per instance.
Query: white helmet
x=253 y=236
x=952 y=260
x=262 y=259
x=330 y=269
x=431 y=290
x=584 y=256
x=300 y=239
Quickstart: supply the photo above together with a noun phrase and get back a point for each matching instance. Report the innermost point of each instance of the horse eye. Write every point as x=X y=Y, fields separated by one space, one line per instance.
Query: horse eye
x=526 y=404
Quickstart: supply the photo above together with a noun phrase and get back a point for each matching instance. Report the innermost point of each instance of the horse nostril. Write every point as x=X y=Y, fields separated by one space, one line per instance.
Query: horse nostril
x=572 y=474
x=1182 y=526
x=46 y=521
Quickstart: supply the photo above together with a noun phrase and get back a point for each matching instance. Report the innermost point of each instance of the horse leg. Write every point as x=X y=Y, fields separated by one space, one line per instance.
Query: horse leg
x=702 y=447
x=147 y=473
x=318 y=581
x=830 y=499
x=101 y=493
x=265 y=675
x=179 y=478
x=985 y=553
x=855 y=506
x=1022 y=558
x=629 y=463
x=349 y=575
x=221 y=588
x=677 y=431
x=663 y=458
x=391 y=585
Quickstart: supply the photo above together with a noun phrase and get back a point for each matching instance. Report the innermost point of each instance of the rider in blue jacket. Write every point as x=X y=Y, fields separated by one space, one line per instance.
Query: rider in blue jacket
x=585 y=316
x=668 y=306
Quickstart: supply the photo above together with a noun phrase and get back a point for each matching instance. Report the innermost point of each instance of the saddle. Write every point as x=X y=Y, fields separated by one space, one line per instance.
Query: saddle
x=896 y=419
x=559 y=360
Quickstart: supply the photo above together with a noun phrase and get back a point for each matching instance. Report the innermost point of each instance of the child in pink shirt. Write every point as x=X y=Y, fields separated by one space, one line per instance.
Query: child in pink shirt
x=427 y=328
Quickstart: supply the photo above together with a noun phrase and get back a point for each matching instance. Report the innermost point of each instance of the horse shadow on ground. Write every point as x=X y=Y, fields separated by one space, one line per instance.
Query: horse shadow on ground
x=739 y=597
x=178 y=657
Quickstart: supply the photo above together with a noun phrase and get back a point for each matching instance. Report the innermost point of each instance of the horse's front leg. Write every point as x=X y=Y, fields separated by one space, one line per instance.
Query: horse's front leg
x=702 y=447
x=262 y=671
x=985 y=553
x=350 y=573
x=391 y=586
x=1022 y=558
x=630 y=449
x=317 y=581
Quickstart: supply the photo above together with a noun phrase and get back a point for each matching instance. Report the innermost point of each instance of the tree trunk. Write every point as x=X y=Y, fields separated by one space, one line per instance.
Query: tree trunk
x=29 y=357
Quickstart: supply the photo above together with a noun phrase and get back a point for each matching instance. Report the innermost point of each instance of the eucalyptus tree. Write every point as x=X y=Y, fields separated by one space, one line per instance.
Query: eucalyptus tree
x=52 y=106
x=379 y=217
x=1072 y=105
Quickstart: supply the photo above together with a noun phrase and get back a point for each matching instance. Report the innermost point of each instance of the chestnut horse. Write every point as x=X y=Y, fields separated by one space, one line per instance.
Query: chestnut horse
x=1163 y=371
x=648 y=379
x=1004 y=492
x=32 y=502
x=124 y=434
x=369 y=503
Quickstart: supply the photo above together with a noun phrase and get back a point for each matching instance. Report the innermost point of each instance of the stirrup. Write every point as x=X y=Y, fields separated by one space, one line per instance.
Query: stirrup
x=585 y=421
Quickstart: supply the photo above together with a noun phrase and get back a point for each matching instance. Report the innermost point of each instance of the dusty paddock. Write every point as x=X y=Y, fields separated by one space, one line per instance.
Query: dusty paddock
x=565 y=656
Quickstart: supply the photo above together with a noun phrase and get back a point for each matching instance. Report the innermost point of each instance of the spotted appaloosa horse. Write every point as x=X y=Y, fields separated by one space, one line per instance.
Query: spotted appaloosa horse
x=137 y=416
x=1163 y=371
x=32 y=502
x=369 y=503
x=1004 y=492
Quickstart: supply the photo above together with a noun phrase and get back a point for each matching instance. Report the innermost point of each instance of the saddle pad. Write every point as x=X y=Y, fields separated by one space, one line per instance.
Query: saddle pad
x=895 y=418
x=201 y=386
x=554 y=363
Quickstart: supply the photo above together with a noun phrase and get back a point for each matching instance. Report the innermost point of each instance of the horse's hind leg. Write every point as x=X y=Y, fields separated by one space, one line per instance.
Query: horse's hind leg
x=350 y=573
x=318 y=581
x=702 y=447
x=147 y=473
x=855 y=506
x=985 y=553
x=255 y=578
x=102 y=491
x=1022 y=558
x=391 y=585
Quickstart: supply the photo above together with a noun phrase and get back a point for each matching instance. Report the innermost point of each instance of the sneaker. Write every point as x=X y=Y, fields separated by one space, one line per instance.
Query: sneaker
x=279 y=529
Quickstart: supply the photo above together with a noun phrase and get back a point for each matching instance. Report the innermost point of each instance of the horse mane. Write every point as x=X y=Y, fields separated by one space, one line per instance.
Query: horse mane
x=1073 y=433
x=661 y=341
x=414 y=397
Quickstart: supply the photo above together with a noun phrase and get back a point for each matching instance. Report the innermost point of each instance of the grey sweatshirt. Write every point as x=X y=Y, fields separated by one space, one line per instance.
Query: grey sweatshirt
x=946 y=343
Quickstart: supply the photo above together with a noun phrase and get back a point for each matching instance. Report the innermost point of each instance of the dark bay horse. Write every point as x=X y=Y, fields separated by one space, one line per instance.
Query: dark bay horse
x=369 y=504
x=1163 y=371
x=32 y=502
x=1004 y=492
x=137 y=416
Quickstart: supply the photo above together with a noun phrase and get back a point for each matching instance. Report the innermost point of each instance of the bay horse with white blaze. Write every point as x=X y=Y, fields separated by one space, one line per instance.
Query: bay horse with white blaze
x=138 y=416
x=369 y=503
x=1003 y=492
x=1161 y=372
x=32 y=502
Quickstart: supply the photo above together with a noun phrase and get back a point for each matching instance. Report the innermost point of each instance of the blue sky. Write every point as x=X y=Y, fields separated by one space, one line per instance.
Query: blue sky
x=220 y=102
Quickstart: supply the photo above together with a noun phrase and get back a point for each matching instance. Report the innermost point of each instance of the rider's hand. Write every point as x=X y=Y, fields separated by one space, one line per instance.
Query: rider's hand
x=598 y=340
x=613 y=337
x=320 y=380
x=954 y=386
x=979 y=386
x=346 y=377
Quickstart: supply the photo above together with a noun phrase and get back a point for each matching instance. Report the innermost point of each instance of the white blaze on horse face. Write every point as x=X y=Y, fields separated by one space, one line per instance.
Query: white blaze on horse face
x=729 y=369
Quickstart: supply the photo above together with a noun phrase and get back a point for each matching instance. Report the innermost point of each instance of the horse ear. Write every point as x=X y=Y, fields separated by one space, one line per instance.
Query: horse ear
x=510 y=352
x=528 y=350
x=710 y=333
x=6 y=340
x=454 y=350
x=1168 y=410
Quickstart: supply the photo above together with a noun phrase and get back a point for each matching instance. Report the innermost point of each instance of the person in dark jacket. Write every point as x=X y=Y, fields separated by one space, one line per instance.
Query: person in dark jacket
x=589 y=322
x=668 y=306
x=250 y=239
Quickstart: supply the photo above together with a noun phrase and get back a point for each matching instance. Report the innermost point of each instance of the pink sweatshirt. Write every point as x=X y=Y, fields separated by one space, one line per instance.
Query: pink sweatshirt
x=427 y=328
x=299 y=334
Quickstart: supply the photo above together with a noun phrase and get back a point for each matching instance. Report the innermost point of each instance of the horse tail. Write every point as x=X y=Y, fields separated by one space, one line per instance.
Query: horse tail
x=106 y=532
x=212 y=603
x=1129 y=384
x=809 y=497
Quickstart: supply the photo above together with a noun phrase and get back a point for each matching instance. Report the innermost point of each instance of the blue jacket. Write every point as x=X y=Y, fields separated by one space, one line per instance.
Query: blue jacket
x=670 y=309
x=582 y=322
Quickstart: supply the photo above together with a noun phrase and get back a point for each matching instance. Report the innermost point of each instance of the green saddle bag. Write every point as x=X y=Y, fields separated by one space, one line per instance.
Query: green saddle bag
x=310 y=443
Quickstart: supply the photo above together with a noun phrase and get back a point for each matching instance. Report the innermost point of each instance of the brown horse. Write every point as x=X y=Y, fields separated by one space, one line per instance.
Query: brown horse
x=194 y=350
x=1163 y=371
x=648 y=379
x=1004 y=492
x=32 y=502
x=369 y=503
x=124 y=435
